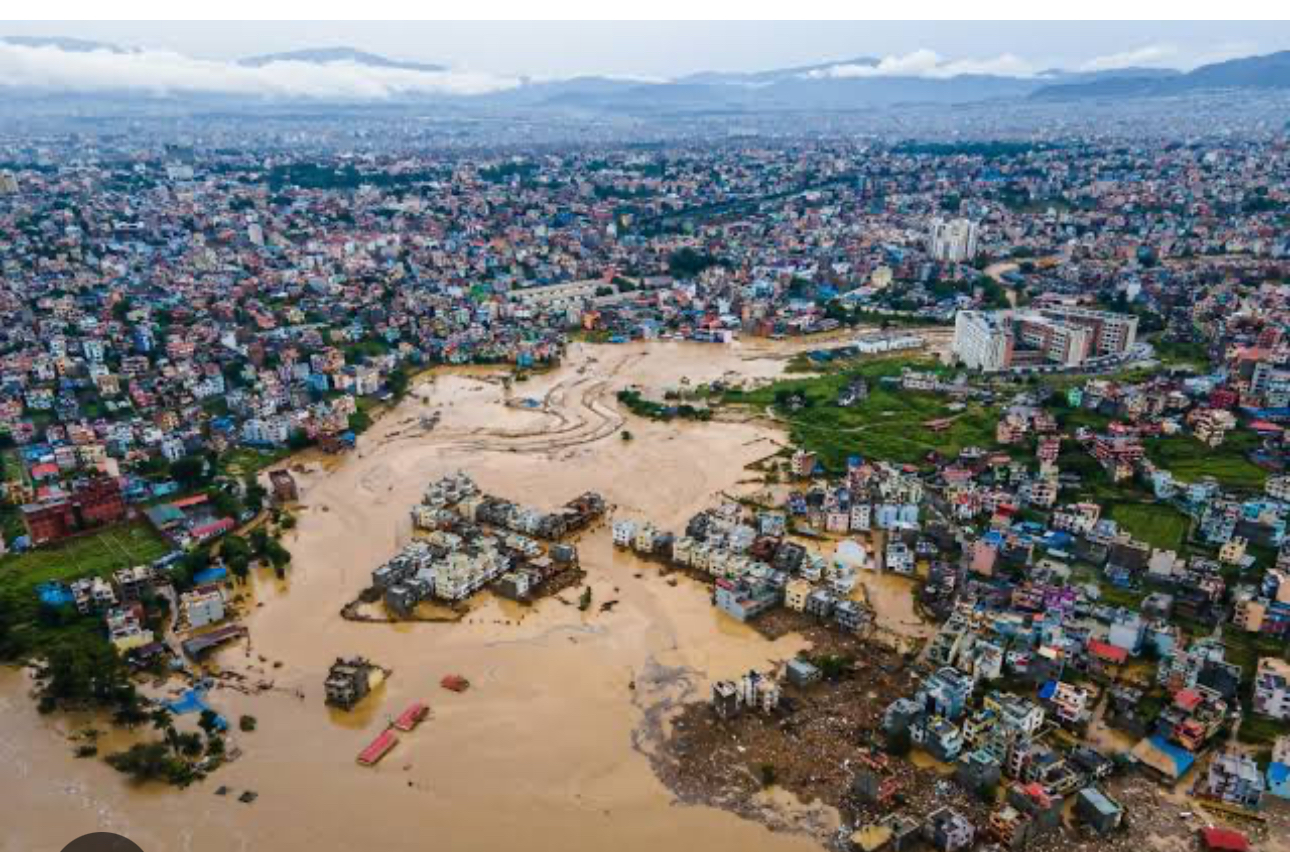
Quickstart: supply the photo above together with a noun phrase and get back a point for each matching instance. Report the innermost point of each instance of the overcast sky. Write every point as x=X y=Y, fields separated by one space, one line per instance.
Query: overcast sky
x=658 y=49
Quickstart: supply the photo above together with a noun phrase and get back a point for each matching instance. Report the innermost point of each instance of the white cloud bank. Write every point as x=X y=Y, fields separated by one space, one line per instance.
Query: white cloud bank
x=164 y=72
x=929 y=64
x=1149 y=56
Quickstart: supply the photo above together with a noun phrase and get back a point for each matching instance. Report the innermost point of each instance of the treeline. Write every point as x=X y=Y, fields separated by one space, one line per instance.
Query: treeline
x=989 y=150
x=315 y=176
x=642 y=407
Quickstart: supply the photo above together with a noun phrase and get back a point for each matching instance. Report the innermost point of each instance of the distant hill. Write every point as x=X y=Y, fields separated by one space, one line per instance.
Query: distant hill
x=327 y=55
x=71 y=45
x=753 y=78
x=1271 y=71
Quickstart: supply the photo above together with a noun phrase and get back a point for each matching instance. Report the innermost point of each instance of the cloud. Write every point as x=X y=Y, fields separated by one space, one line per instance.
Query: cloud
x=929 y=64
x=1149 y=56
x=164 y=72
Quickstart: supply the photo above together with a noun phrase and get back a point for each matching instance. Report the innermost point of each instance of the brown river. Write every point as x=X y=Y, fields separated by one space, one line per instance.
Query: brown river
x=548 y=748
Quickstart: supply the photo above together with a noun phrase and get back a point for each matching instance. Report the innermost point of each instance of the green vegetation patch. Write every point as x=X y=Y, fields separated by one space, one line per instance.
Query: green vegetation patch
x=97 y=553
x=890 y=424
x=1189 y=459
x=1158 y=524
x=29 y=626
x=240 y=461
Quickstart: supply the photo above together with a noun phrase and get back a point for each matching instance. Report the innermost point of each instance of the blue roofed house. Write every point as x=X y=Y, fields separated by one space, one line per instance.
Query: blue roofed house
x=1279 y=779
x=1169 y=760
x=1279 y=769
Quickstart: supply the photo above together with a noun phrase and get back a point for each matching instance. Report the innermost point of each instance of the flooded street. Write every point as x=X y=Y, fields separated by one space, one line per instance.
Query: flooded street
x=550 y=742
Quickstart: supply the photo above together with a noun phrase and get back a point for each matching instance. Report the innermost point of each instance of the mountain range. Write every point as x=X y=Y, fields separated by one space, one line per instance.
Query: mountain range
x=846 y=85
x=327 y=55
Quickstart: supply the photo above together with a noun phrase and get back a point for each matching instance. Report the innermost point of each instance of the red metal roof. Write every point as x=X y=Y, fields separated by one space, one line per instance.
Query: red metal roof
x=1187 y=699
x=412 y=716
x=184 y=502
x=1107 y=651
x=378 y=748
x=1225 y=839
x=207 y=530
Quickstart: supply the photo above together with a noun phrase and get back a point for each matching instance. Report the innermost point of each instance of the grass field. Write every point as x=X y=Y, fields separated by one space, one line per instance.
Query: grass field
x=31 y=627
x=888 y=425
x=1157 y=524
x=1172 y=353
x=240 y=461
x=1189 y=459
x=98 y=553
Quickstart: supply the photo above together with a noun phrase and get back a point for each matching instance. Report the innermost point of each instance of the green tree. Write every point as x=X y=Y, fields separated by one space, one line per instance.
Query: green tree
x=255 y=492
x=278 y=555
x=84 y=671
x=189 y=472
x=236 y=553
x=189 y=744
x=226 y=504
x=398 y=383
x=209 y=722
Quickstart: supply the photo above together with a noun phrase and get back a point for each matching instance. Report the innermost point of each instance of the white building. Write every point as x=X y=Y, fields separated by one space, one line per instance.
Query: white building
x=125 y=631
x=270 y=430
x=1272 y=688
x=982 y=341
x=203 y=606
x=645 y=536
x=172 y=449
x=900 y=559
x=624 y=533
x=954 y=241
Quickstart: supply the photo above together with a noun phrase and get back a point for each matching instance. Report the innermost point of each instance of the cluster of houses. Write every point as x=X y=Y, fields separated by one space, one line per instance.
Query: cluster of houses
x=872 y=496
x=123 y=601
x=754 y=566
x=1056 y=617
x=995 y=739
x=469 y=540
x=458 y=495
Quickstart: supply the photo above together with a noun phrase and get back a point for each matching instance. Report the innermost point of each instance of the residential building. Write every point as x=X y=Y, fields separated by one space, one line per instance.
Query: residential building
x=1272 y=688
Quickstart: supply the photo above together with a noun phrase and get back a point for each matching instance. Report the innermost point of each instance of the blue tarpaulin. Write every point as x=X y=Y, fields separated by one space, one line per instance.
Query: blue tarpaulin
x=210 y=575
x=54 y=594
x=194 y=701
x=1279 y=779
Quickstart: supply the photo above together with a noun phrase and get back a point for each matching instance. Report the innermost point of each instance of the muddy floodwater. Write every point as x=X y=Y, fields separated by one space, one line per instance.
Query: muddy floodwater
x=549 y=747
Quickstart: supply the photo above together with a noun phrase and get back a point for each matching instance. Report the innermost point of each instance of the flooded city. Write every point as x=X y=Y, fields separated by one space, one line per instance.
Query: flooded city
x=552 y=739
x=634 y=436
